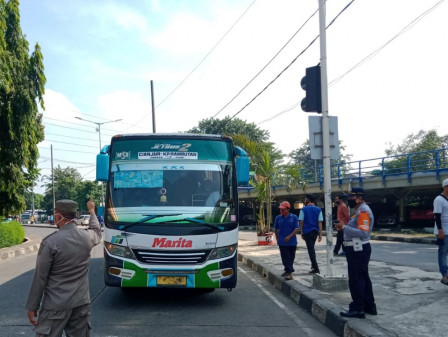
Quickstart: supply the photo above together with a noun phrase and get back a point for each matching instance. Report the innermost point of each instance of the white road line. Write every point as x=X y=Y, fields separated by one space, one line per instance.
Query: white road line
x=297 y=320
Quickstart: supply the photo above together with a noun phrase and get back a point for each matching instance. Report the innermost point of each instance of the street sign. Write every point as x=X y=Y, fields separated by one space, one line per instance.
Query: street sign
x=316 y=141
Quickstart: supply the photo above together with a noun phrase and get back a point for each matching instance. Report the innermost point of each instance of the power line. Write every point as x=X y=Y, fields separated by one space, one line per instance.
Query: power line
x=376 y=51
x=270 y=61
x=200 y=62
x=368 y=57
x=65 y=161
x=59 y=142
x=55 y=149
x=280 y=113
x=203 y=59
x=291 y=63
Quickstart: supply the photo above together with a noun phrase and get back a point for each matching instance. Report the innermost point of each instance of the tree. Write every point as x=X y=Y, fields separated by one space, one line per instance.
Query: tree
x=422 y=146
x=68 y=184
x=265 y=171
x=302 y=158
x=231 y=127
x=34 y=200
x=420 y=142
x=228 y=126
x=22 y=82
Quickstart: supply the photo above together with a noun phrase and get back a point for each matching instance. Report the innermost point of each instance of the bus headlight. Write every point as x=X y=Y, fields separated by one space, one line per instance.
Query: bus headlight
x=122 y=251
x=219 y=253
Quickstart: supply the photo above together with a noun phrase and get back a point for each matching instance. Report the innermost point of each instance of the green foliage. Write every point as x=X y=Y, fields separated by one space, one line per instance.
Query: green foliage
x=11 y=233
x=231 y=127
x=68 y=184
x=265 y=170
x=228 y=127
x=419 y=142
x=422 y=145
x=302 y=157
x=22 y=84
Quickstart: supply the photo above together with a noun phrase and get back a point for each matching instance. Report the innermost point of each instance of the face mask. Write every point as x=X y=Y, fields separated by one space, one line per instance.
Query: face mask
x=352 y=203
x=62 y=218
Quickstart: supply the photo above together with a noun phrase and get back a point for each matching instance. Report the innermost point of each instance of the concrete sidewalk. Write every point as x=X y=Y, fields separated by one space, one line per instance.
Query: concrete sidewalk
x=411 y=302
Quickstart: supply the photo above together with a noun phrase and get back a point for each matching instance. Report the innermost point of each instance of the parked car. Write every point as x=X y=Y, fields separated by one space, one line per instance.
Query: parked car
x=386 y=220
x=83 y=220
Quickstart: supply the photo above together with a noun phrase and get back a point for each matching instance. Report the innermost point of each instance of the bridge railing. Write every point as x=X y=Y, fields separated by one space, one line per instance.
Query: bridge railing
x=435 y=161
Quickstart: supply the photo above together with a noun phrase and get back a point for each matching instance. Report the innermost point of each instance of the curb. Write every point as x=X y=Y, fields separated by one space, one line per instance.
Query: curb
x=317 y=304
x=30 y=246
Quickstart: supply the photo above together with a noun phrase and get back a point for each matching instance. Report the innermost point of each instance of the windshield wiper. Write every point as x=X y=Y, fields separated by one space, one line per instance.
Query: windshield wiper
x=196 y=220
x=153 y=216
x=146 y=218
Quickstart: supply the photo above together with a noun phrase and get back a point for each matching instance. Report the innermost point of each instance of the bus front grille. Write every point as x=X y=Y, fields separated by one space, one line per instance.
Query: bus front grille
x=171 y=257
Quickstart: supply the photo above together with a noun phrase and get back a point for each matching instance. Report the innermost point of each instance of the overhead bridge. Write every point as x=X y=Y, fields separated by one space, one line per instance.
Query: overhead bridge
x=395 y=177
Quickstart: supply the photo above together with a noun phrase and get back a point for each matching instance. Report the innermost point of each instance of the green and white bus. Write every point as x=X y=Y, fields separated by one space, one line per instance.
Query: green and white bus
x=171 y=210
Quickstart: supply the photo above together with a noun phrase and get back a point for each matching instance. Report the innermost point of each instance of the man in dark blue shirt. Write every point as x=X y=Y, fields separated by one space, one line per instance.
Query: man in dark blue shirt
x=286 y=227
x=311 y=218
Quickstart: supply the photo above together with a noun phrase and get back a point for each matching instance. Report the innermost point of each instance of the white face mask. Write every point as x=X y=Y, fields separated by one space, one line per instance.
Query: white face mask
x=62 y=218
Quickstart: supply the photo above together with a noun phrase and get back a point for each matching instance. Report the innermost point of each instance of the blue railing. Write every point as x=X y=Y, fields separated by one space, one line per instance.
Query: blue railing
x=435 y=162
x=427 y=162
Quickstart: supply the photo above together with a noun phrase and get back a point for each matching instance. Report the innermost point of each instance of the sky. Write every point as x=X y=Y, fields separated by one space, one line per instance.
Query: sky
x=386 y=61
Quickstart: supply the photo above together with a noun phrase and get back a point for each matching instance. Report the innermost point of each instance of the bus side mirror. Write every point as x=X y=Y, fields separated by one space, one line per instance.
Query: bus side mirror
x=102 y=167
x=242 y=171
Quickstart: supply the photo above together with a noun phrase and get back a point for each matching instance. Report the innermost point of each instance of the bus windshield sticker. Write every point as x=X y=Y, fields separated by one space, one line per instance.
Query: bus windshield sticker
x=134 y=179
x=167 y=155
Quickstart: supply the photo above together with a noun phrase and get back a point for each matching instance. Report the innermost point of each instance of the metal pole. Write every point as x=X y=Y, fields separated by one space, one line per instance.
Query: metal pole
x=326 y=137
x=52 y=179
x=99 y=133
x=153 y=109
x=102 y=184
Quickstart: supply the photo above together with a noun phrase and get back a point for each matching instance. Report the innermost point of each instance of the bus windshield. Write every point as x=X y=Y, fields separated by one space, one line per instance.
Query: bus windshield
x=174 y=193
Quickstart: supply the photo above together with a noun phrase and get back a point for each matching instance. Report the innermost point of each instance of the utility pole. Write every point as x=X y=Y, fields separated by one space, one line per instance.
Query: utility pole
x=52 y=179
x=98 y=129
x=153 y=109
x=326 y=136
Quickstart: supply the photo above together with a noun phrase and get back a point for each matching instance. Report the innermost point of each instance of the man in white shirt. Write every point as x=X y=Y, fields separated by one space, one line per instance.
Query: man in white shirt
x=441 y=229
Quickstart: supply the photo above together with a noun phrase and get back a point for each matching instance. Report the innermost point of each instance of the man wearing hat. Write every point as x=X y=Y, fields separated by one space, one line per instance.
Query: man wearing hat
x=60 y=287
x=286 y=227
x=357 y=249
x=441 y=229
x=310 y=219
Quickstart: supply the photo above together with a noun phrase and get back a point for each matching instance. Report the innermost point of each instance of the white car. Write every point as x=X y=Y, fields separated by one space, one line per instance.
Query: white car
x=83 y=220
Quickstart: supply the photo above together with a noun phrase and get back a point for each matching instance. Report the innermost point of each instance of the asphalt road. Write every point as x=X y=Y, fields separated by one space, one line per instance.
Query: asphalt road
x=254 y=308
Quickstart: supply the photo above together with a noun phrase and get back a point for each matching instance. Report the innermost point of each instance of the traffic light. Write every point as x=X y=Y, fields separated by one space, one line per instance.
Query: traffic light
x=311 y=84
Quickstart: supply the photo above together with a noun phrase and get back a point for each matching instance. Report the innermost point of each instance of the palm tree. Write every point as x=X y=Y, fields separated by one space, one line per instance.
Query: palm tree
x=263 y=165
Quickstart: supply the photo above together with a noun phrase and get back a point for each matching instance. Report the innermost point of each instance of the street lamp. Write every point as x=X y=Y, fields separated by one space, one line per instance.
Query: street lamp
x=99 y=125
x=99 y=134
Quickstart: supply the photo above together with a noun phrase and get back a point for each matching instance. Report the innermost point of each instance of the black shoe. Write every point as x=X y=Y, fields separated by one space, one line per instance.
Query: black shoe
x=353 y=314
x=314 y=271
x=371 y=310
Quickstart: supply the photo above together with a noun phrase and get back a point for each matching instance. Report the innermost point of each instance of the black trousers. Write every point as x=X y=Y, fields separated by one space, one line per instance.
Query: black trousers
x=288 y=254
x=339 y=242
x=310 y=240
x=358 y=278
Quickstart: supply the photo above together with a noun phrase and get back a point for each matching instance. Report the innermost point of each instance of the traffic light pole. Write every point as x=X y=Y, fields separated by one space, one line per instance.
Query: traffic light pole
x=326 y=136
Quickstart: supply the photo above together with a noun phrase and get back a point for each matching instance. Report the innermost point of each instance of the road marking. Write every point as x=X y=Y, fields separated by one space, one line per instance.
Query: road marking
x=297 y=320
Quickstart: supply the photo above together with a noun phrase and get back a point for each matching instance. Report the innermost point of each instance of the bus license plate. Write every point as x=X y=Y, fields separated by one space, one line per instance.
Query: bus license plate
x=172 y=280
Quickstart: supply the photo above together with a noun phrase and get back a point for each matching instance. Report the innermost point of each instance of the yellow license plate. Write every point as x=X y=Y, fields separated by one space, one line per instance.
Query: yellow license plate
x=172 y=280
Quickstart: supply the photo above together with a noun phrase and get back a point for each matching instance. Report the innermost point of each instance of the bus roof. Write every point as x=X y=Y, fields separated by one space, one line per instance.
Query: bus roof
x=172 y=136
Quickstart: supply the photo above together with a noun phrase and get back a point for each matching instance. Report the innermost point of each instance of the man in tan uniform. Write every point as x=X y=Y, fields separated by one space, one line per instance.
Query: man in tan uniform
x=61 y=275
